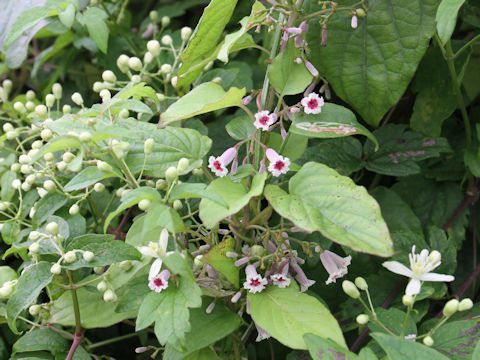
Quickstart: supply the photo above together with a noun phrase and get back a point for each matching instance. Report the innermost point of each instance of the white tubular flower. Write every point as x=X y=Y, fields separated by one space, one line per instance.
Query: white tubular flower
x=300 y=276
x=159 y=282
x=263 y=120
x=255 y=282
x=262 y=334
x=312 y=104
x=219 y=164
x=278 y=164
x=421 y=266
x=335 y=265
x=281 y=279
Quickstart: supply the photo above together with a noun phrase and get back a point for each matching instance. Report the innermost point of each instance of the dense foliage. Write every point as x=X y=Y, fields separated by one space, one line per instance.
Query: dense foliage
x=234 y=179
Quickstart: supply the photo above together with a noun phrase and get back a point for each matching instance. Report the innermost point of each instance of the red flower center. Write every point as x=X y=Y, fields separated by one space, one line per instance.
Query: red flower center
x=279 y=165
x=280 y=278
x=264 y=120
x=158 y=282
x=255 y=282
x=217 y=165
x=312 y=103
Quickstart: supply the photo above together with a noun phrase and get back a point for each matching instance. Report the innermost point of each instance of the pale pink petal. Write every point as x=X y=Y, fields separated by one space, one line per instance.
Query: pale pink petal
x=272 y=155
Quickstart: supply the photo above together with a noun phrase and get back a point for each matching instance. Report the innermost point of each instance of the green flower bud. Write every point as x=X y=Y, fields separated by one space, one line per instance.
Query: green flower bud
x=361 y=283
x=166 y=68
x=198 y=172
x=30 y=105
x=102 y=286
x=135 y=63
x=8 y=127
x=52 y=228
x=105 y=95
x=465 y=304
x=165 y=21
x=148 y=146
x=171 y=174
x=19 y=107
x=136 y=79
x=98 y=270
x=161 y=184
x=154 y=47
x=167 y=40
x=49 y=100
x=153 y=15
x=186 y=32
x=451 y=307
x=428 y=341
x=361 y=13
x=34 y=309
x=350 y=289
x=174 y=81
x=144 y=204
x=49 y=185
x=408 y=300
x=125 y=265
x=66 y=109
x=16 y=184
x=109 y=296
x=183 y=164
x=257 y=250
x=147 y=58
x=362 y=319
x=177 y=205
x=70 y=256
x=74 y=209
x=68 y=157
x=30 y=95
x=34 y=235
x=41 y=111
x=46 y=134
x=88 y=256
x=103 y=166
x=77 y=98
x=109 y=77
x=57 y=91
x=122 y=63
x=7 y=85
x=198 y=261
x=56 y=269
x=34 y=247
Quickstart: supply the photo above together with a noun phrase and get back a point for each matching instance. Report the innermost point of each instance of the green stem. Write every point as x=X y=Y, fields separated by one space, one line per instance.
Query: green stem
x=111 y=341
x=466 y=46
x=409 y=309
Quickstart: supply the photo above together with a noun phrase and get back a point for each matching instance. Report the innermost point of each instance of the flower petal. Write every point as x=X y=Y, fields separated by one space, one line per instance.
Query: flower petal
x=163 y=241
x=146 y=251
x=436 y=277
x=155 y=268
x=398 y=268
x=413 y=287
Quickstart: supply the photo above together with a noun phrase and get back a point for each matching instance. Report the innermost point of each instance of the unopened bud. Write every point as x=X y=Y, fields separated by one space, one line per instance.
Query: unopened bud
x=49 y=185
x=408 y=300
x=52 y=228
x=362 y=319
x=171 y=174
x=186 y=32
x=122 y=63
x=19 y=107
x=167 y=40
x=183 y=164
x=135 y=63
x=154 y=47
x=166 y=68
x=34 y=247
x=257 y=250
x=49 y=100
x=66 y=109
x=77 y=98
x=102 y=286
x=56 y=269
x=30 y=95
x=126 y=265
x=70 y=256
x=160 y=184
x=104 y=166
x=354 y=22
x=177 y=205
x=74 y=209
x=109 y=296
x=165 y=21
x=361 y=283
x=57 y=91
x=105 y=95
x=361 y=13
x=34 y=309
x=16 y=184
x=99 y=187
x=88 y=256
x=148 y=146
x=144 y=204
x=109 y=77
x=451 y=307
x=350 y=289
x=197 y=172
x=465 y=304
x=428 y=341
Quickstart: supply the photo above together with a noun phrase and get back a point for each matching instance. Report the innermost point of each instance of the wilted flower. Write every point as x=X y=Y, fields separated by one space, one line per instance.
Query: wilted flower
x=219 y=164
x=312 y=104
x=263 y=120
x=421 y=266
x=335 y=265
x=278 y=164
x=254 y=282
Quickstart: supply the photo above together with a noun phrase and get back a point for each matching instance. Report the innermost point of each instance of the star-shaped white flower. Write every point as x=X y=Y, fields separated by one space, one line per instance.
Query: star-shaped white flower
x=421 y=266
x=278 y=164
x=312 y=104
x=263 y=120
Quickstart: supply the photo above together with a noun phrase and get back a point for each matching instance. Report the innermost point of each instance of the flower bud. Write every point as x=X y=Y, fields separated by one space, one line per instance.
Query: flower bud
x=34 y=309
x=34 y=235
x=167 y=40
x=52 y=228
x=198 y=261
x=57 y=91
x=109 y=77
x=88 y=256
x=62 y=165
x=8 y=127
x=16 y=184
x=197 y=172
x=26 y=186
x=361 y=283
x=408 y=300
x=7 y=85
x=105 y=95
x=46 y=134
x=361 y=13
x=257 y=250
x=136 y=79
x=362 y=319
x=160 y=184
x=147 y=58
x=165 y=21
x=30 y=95
x=102 y=286
x=49 y=185
x=177 y=205
x=144 y=204
x=98 y=86
x=19 y=107
x=125 y=265
x=166 y=68
x=135 y=63
x=5 y=290
x=11 y=134
x=186 y=32
x=68 y=157
x=350 y=289
x=148 y=146
x=171 y=174
x=183 y=164
x=30 y=105
x=122 y=63
x=451 y=307
x=153 y=15
x=49 y=100
x=109 y=296
x=66 y=109
x=354 y=22
x=34 y=247
x=41 y=111
x=99 y=187
x=74 y=209
x=77 y=98
x=465 y=304
x=70 y=256
x=154 y=47
x=140 y=349
x=104 y=166
x=174 y=81
x=98 y=270
x=23 y=159
x=428 y=341
x=217 y=80
x=56 y=269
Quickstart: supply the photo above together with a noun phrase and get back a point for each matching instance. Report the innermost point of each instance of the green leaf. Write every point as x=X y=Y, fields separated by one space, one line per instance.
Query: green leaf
x=161 y=216
x=287 y=315
x=447 y=18
x=400 y=150
x=218 y=259
x=67 y=16
x=88 y=176
x=138 y=92
x=231 y=39
x=401 y=349
x=25 y=21
x=203 y=354
x=320 y=199
x=179 y=266
x=7 y=274
x=370 y=67
x=7 y=191
x=286 y=76
x=240 y=127
x=234 y=194
x=195 y=190
x=205 y=37
x=476 y=352
x=204 y=98
x=457 y=339
x=47 y=207
x=326 y=349
x=132 y=295
x=10 y=231
x=56 y=144
x=107 y=251
x=94 y=18
x=334 y=121
x=32 y=281
x=393 y=319
x=206 y=329
x=169 y=310
x=40 y=339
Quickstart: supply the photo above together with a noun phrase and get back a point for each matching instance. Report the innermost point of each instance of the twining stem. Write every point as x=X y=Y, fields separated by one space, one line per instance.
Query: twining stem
x=111 y=341
x=466 y=46
x=404 y=327
x=78 y=326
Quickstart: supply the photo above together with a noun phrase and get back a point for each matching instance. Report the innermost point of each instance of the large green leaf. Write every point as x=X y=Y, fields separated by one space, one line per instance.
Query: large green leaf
x=25 y=21
x=205 y=37
x=370 y=67
x=194 y=190
x=401 y=349
x=88 y=176
x=218 y=259
x=334 y=121
x=321 y=348
x=206 y=329
x=457 y=339
x=320 y=199
x=447 y=18
x=287 y=315
x=40 y=339
x=235 y=194
x=204 y=98
x=47 y=207
x=286 y=75
x=32 y=281
x=94 y=18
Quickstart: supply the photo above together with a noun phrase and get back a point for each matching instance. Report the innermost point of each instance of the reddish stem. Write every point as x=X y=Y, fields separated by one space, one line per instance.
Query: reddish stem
x=76 y=341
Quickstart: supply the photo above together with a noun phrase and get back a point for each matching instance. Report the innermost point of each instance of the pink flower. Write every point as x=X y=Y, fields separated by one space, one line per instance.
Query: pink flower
x=313 y=70
x=262 y=334
x=255 y=282
x=278 y=164
x=335 y=265
x=280 y=278
x=301 y=277
x=312 y=104
x=354 y=22
x=263 y=120
x=246 y=100
x=159 y=282
x=236 y=297
x=219 y=164
x=293 y=30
